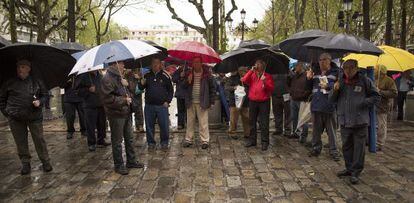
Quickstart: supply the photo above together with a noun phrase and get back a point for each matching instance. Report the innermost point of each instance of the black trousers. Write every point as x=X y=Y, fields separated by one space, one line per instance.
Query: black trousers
x=259 y=111
x=353 y=148
x=402 y=96
x=281 y=112
x=95 y=121
x=321 y=122
x=70 y=115
x=121 y=132
x=181 y=111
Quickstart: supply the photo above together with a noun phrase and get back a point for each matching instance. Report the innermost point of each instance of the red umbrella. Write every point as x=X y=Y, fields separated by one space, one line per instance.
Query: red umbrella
x=190 y=49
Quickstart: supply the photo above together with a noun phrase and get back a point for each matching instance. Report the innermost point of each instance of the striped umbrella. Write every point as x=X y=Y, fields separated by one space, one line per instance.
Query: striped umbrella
x=120 y=50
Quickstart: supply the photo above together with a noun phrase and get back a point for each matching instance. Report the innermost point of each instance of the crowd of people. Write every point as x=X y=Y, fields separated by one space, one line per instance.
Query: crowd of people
x=338 y=97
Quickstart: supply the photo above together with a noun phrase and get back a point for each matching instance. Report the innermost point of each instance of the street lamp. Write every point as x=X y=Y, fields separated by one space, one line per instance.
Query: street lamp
x=229 y=21
x=347 y=5
x=344 y=16
x=255 y=23
x=242 y=26
x=243 y=14
x=54 y=20
x=84 y=22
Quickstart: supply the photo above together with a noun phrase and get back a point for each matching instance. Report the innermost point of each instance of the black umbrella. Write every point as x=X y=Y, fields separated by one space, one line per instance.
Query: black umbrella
x=163 y=49
x=4 y=42
x=253 y=44
x=70 y=47
x=340 y=44
x=294 y=45
x=50 y=64
x=277 y=62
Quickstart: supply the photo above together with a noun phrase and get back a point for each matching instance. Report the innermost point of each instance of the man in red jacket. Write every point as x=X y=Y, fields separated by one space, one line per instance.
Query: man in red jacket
x=260 y=89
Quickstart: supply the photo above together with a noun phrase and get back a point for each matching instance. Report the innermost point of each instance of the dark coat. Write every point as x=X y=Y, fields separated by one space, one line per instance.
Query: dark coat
x=90 y=99
x=114 y=94
x=298 y=89
x=71 y=91
x=320 y=101
x=207 y=90
x=354 y=100
x=158 y=88
x=230 y=86
x=17 y=96
x=179 y=82
x=281 y=85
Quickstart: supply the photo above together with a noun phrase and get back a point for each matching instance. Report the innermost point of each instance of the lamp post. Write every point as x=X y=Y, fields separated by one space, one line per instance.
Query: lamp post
x=344 y=16
x=242 y=26
x=243 y=16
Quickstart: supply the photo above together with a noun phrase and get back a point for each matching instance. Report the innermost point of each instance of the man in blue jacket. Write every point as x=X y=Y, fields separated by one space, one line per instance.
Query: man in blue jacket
x=354 y=94
x=158 y=95
x=323 y=111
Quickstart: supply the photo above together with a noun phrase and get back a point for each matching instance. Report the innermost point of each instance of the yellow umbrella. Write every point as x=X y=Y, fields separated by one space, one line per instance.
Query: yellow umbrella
x=394 y=59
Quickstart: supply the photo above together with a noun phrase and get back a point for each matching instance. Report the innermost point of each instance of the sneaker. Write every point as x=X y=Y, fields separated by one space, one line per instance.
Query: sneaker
x=103 y=144
x=135 y=165
x=121 y=170
x=187 y=144
x=47 y=167
x=69 y=136
x=250 y=144
x=354 y=180
x=92 y=148
x=26 y=169
x=344 y=173
x=335 y=156
x=204 y=146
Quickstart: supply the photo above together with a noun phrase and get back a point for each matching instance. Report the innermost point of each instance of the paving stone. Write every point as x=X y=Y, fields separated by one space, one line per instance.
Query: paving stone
x=299 y=197
x=163 y=192
x=182 y=198
x=237 y=193
x=233 y=181
x=202 y=197
x=121 y=193
x=291 y=186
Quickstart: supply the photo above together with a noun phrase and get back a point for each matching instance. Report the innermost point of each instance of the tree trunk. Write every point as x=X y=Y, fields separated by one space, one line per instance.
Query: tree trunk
x=273 y=23
x=366 y=19
x=216 y=25
x=71 y=21
x=403 y=37
x=223 y=36
x=388 y=26
x=98 y=39
x=12 y=21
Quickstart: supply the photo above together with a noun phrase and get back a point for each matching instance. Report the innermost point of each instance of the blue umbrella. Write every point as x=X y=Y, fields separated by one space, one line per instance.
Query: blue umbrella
x=114 y=51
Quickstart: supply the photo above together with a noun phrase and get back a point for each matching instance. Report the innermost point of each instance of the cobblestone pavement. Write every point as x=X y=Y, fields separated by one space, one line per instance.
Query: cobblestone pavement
x=227 y=172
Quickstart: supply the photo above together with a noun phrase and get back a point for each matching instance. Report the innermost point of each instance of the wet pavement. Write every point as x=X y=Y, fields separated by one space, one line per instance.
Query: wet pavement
x=225 y=172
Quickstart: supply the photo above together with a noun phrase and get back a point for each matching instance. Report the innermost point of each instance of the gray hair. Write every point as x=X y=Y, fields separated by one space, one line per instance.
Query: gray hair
x=325 y=55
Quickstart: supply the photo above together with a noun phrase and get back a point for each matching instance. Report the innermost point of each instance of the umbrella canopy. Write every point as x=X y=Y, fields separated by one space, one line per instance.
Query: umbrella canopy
x=4 y=42
x=77 y=55
x=294 y=45
x=340 y=44
x=189 y=49
x=254 y=44
x=49 y=64
x=120 y=50
x=71 y=47
x=163 y=49
x=277 y=63
x=394 y=59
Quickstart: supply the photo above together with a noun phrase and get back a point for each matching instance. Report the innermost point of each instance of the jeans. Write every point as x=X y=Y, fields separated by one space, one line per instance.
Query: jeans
x=20 y=134
x=159 y=112
x=70 y=114
x=95 y=120
x=353 y=148
x=294 y=114
x=259 y=111
x=121 y=130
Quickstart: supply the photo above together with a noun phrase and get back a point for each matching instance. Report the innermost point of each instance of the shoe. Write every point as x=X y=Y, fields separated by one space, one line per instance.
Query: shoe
x=151 y=147
x=180 y=127
x=354 y=180
x=234 y=137
x=187 y=144
x=250 y=144
x=135 y=165
x=326 y=146
x=103 y=144
x=314 y=153
x=26 y=169
x=344 y=173
x=204 y=146
x=69 y=136
x=302 y=139
x=265 y=147
x=92 y=148
x=293 y=136
x=335 y=156
x=47 y=167
x=379 y=148
x=277 y=133
x=121 y=170
x=164 y=147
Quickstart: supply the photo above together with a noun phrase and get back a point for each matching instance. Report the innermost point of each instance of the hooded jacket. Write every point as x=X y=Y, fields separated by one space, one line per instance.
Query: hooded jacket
x=259 y=90
x=387 y=89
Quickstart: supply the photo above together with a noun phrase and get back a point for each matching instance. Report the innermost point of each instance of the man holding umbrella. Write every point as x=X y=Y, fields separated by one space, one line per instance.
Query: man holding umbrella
x=21 y=101
x=117 y=103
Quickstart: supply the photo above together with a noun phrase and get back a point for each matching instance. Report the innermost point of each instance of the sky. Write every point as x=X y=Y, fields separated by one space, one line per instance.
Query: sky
x=151 y=13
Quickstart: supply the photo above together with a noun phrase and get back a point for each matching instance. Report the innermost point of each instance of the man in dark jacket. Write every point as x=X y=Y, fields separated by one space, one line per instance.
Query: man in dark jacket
x=299 y=94
x=281 y=105
x=179 y=79
x=90 y=84
x=200 y=92
x=134 y=77
x=231 y=85
x=72 y=104
x=158 y=95
x=354 y=94
x=117 y=103
x=323 y=111
x=21 y=101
